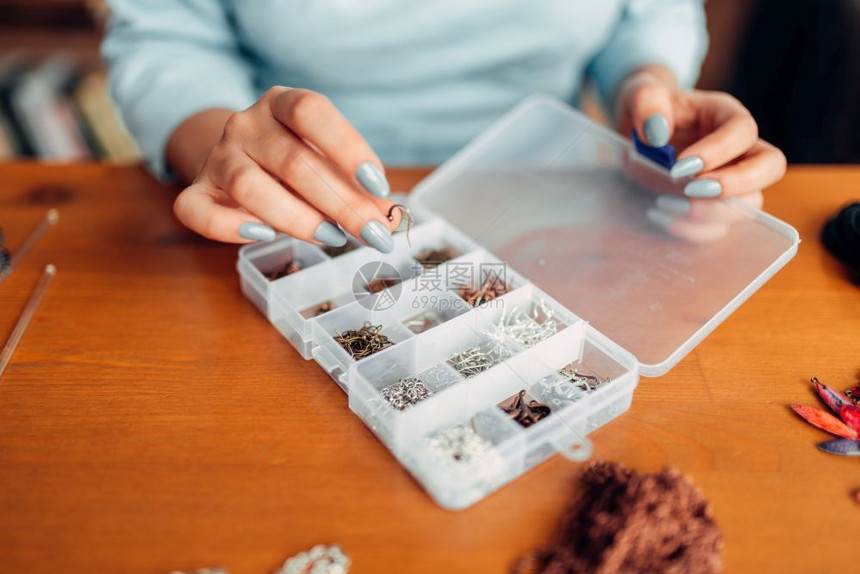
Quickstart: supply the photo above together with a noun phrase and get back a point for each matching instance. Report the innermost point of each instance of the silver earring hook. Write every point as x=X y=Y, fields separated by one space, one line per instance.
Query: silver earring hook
x=407 y=216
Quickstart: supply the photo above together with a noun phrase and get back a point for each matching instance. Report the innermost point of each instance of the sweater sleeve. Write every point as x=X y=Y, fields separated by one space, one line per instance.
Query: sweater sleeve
x=168 y=60
x=671 y=33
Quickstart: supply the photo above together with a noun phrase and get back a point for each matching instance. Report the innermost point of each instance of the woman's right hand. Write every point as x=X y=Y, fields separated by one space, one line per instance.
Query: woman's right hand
x=291 y=163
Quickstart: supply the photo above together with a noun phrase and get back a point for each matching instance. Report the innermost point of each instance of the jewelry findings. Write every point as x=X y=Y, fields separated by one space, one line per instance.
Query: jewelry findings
x=407 y=216
x=525 y=411
x=318 y=560
x=492 y=288
x=363 y=342
x=853 y=394
x=406 y=392
x=323 y=308
x=460 y=444
x=381 y=284
x=333 y=252
x=477 y=360
x=430 y=258
x=529 y=330
x=287 y=268
x=832 y=398
x=573 y=386
x=560 y=391
x=583 y=381
x=318 y=310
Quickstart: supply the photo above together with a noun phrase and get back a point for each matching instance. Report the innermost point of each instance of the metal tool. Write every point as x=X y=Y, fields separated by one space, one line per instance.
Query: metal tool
x=26 y=316
x=47 y=222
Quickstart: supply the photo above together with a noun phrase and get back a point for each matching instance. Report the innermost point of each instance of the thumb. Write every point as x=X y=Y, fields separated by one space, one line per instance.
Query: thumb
x=646 y=106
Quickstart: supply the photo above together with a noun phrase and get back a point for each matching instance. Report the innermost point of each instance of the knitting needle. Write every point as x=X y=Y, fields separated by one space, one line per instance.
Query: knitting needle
x=26 y=316
x=47 y=222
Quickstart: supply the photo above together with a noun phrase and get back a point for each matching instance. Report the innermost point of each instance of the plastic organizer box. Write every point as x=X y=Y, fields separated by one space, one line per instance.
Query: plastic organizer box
x=560 y=211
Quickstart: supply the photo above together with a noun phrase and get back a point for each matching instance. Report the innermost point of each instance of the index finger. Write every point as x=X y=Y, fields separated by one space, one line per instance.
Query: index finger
x=731 y=132
x=312 y=117
x=198 y=208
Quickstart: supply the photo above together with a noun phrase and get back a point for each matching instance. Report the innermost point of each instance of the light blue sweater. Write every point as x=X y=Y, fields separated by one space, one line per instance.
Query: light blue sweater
x=418 y=79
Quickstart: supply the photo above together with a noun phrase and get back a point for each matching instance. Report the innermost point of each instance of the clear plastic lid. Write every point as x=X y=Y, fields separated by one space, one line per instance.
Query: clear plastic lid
x=570 y=205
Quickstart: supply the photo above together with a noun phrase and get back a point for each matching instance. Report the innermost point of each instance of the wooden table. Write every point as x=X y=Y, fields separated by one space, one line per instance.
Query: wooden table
x=152 y=419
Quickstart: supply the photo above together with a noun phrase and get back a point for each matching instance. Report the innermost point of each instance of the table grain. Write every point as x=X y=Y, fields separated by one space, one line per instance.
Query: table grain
x=153 y=420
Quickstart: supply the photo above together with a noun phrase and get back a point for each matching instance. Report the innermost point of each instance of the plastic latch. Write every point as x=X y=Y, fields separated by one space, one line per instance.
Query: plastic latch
x=577 y=450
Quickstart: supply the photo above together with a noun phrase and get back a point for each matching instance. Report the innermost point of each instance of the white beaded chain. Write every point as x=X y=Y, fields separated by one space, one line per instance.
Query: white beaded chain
x=318 y=560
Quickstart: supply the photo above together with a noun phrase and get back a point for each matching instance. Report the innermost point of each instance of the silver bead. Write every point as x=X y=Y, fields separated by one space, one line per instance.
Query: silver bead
x=406 y=392
x=459 y=444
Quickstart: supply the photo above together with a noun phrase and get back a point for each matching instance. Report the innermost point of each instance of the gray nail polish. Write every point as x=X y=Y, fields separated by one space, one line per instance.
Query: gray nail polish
x=674 y=204
x=703 y=188
x=369 y=176
x=687 y=167
x=330 y=234
x=656 y=130
x=377 y=236
x=659 y=217
x=256 y=231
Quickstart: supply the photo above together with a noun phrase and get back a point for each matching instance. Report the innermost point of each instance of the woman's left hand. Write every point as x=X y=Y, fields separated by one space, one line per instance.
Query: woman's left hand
x=717 y=139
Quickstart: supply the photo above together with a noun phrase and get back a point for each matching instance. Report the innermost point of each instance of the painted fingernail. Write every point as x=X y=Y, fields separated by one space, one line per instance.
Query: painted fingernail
x=659 y=217
x=377 y=236
x=330 y=234
x=674 y=204
x=656 y=130
x=703 y=188
x=688 y=166
x=256 y=231
x=369 y=176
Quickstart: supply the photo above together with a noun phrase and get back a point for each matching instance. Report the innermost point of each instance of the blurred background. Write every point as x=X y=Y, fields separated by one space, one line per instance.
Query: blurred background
x=794 y=63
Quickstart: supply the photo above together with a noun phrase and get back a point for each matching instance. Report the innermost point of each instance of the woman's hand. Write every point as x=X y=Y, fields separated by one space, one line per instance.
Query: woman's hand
x=718 y=145
x=291 y=163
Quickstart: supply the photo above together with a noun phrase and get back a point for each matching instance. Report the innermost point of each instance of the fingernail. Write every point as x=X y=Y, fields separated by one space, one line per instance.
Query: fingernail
x=656 y=130
x=674 y=204
x=256 y=231
x=369 y=176
x=687 y=167
x=330 y=234
x=377 y=236
x=659 y=217
x=703 y=188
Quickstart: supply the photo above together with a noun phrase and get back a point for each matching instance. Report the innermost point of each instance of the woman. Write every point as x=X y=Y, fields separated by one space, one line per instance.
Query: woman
x=273 y=109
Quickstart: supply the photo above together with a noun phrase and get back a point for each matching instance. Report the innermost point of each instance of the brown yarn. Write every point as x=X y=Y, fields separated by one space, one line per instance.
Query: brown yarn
x=625 y=521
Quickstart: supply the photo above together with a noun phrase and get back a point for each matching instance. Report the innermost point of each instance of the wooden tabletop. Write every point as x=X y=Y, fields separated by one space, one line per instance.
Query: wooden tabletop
x=153 y=420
